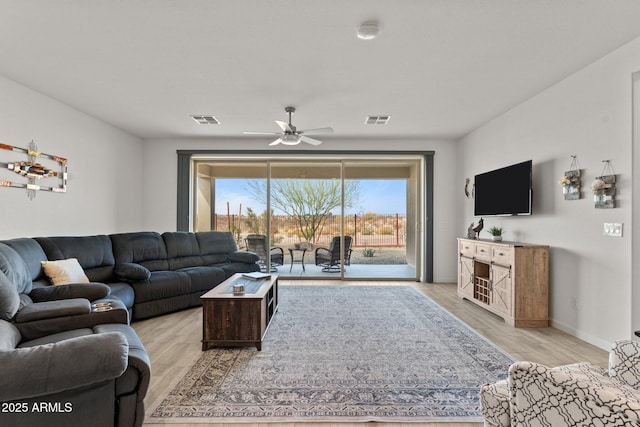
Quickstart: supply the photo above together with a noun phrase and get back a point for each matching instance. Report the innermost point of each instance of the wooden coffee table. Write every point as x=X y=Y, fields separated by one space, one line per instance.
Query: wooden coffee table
x=230 y=319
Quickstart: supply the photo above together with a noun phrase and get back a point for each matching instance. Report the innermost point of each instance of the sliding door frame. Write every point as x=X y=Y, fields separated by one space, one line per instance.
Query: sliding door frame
x=184 y=197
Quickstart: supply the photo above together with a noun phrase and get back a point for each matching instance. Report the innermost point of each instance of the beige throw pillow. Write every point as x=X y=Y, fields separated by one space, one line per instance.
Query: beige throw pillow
x=64 y=271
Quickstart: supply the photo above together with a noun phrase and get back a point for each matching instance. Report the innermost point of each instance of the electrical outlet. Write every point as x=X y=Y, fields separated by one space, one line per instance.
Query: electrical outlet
x=613 y=229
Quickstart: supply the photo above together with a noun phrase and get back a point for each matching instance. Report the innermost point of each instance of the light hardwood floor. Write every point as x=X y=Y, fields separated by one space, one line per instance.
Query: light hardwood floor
x=173 y=343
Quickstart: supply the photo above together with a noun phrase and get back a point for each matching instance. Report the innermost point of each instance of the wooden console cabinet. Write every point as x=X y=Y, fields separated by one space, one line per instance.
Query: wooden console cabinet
x=507 y=278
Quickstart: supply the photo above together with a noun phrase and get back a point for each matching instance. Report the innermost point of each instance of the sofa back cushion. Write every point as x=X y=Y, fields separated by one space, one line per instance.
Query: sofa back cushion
x=9 y=336
x=9 y=297
x=215 y=246
x=145 y=248
x=182 y=250
x=31 y=255
x=94 y=253
x=14 y=279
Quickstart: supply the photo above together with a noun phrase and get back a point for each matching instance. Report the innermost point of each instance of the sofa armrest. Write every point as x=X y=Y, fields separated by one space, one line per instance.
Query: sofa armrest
x=91 y=291
x=53 y=309
x=569 y=395
x=131 y=272
x=52 y=368
x=624 y=362
x=138 y=372
x=244 y=256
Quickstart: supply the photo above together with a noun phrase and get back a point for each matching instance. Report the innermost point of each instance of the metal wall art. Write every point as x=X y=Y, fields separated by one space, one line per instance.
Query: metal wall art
x=604 y=188
x=31 y=173
x=570 y=181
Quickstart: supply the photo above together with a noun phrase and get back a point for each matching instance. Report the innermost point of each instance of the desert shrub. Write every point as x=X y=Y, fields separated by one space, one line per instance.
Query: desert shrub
x=368 y=252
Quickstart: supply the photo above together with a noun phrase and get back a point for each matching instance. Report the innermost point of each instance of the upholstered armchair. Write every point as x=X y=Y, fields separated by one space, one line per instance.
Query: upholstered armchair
x=579 y=394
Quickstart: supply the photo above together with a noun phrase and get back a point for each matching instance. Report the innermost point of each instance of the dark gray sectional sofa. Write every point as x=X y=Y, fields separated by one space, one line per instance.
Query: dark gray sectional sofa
x=151 y=273
x=170 y=271
x=58 y=345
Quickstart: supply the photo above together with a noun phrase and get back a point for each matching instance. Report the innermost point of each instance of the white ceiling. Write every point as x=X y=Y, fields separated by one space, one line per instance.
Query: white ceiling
x=440 y=68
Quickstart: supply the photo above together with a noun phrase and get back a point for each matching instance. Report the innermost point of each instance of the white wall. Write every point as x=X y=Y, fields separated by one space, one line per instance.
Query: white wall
x=161 y=186
x=589 y=115
x=105 y=169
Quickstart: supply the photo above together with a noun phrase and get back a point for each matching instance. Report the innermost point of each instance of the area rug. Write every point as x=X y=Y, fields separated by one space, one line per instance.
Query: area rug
x=343 y=354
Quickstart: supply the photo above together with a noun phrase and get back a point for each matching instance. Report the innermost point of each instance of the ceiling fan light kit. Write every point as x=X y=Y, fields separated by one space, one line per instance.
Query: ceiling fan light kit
x=368 y=30
x=290 y=135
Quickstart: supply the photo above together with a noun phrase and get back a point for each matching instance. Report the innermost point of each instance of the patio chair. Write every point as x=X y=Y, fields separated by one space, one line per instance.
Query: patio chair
x=258 y=243
x=330 y=258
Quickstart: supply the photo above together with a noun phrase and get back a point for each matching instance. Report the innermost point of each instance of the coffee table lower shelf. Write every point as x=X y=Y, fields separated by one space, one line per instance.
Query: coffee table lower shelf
x=230 y=319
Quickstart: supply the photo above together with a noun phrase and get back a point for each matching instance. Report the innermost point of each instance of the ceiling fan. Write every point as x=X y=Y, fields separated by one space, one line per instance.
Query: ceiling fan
x=290 y=135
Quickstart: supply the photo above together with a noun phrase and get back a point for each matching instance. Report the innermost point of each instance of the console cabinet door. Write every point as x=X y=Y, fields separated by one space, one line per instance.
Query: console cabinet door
x=465 y=279
x=501 y=289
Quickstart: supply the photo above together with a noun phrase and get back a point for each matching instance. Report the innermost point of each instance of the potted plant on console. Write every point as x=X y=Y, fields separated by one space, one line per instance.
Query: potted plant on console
x=496 y=232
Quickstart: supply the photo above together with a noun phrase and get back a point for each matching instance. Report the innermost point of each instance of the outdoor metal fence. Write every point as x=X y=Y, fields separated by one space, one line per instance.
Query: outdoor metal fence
x=367 y=230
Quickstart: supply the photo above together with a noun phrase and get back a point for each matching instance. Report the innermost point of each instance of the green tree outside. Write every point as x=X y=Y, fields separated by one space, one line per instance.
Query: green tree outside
x=308 y=201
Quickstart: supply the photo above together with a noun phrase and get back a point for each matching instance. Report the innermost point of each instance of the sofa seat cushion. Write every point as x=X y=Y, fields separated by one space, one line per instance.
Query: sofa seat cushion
x=204 y=278
x=494 y=403
x=161 y=285
x=53 y=309
x=124 y=292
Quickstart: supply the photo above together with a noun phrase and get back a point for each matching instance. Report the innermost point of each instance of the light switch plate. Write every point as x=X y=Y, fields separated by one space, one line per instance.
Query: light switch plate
x=613 y=229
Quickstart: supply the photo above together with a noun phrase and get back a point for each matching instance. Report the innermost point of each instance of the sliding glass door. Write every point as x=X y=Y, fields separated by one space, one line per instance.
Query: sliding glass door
x=321 y=218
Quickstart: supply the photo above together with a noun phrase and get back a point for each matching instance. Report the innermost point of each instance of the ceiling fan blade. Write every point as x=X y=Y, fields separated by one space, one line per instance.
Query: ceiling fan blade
x=276 y=142
x=316 y=131
x=311 y=141
x=284 y=126
x=261 y=133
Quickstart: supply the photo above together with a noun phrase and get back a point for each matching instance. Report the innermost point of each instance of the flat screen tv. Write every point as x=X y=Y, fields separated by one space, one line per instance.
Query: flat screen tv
x=504 y=191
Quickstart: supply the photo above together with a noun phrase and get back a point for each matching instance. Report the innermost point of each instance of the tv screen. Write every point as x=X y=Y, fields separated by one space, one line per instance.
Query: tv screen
x=505 y=191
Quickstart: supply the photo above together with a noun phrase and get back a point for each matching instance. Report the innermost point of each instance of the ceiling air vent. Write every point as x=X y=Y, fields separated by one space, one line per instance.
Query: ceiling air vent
x=377 y=120
x=206 y=120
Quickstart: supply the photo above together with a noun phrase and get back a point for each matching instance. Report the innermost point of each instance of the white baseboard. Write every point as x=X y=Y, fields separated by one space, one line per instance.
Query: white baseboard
x=605 y=345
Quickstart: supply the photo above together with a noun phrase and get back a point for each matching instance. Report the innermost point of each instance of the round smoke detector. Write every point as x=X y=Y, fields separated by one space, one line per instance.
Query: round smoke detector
x=368 y=30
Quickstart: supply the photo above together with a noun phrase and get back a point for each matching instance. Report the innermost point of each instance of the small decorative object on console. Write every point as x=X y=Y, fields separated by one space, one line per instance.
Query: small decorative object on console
x=496 y=232
x=474 y=232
